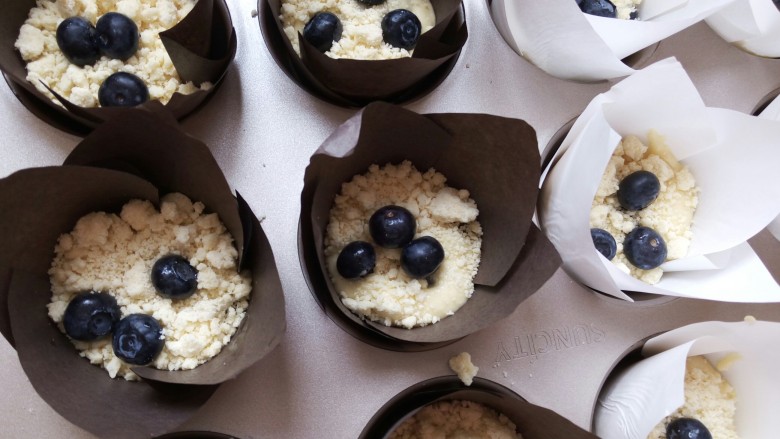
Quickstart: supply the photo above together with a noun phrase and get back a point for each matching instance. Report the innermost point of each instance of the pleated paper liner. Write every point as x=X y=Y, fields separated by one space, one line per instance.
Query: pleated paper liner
x=201 y=48
x=496 y=159
x=532 y=421
x=138 y=155
x=355 y=83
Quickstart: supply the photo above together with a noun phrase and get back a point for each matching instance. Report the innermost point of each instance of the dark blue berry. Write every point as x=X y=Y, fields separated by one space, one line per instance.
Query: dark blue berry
x=638 y=190
x=633 y=15
x=401 y=28
x=78 y=41
x=604 y=242
x=357 y=259
x=601 y=8
x=122 y=90
x=173 y=277
x=392 y=226
x=322 y=30
x=422 y=257
x=117 y=36
x=687 y=428
x=372 y=2
x=644 y=248
x=137 y=339
x=90 y=316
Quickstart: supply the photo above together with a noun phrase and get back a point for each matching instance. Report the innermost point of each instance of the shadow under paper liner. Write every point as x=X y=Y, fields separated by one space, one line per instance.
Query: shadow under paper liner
x=139 y=155
x=201 y=47
x=496 y=159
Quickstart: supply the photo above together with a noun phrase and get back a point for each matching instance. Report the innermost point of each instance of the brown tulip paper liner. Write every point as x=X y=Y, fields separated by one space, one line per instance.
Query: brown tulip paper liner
x=532 y=421
x=356 y=83
x=201 y=47
x=138 y=155
x=496 y=159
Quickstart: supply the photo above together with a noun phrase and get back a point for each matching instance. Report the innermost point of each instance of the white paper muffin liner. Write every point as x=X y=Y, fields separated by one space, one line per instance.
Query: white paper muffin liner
x=567 y=43
x=751 y=25
x=642 y=395
x=732 y=157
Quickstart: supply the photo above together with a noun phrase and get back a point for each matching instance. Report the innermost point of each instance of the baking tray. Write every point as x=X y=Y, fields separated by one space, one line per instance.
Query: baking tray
x=322 y=382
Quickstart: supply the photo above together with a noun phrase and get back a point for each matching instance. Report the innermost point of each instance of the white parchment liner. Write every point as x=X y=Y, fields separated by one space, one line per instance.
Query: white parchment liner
x=772 y=112
x=732 y=156
x=566 y=43
x=642 y=395
x=752 y=25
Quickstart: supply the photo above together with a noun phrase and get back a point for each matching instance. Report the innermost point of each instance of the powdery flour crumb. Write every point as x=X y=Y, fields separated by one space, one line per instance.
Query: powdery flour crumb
x=37 y=44
x=671 y=214
x=389 y=295
x=625 y=8
x=456 y=419
x=708 y=398
x=115 y=254
x=362 y=34
x=461 y=364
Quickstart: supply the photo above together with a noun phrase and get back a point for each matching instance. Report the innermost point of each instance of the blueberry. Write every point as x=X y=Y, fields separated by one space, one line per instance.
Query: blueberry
x=601 y=8
x=392 y=226
x=137 y=339
x=777 y=3
x=633 y=15
x=644 y=248
x=173 y=277
x=78 y=41
x=122 y=90
x=422 y=257
x=90 y=316
x=687 y=428
x=322 y=30
x=401 y=28
x=638 y=190
x=604 y=242
x=357 y=259
x=117 y=36
x=378 y=2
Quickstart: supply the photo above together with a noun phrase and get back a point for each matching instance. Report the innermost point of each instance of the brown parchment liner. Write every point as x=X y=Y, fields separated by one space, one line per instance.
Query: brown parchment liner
x=532 y=421
x=355 y=83
x=138 y=155
x=201 y=48
x=495 y=158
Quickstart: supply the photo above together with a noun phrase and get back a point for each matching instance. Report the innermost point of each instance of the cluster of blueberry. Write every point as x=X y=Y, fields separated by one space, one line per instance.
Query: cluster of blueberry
x=137 y=338
x=687 y=428
x=114 y=36
x=643 y=246
x=601 y=8
x=392 y=227
x=400 y=28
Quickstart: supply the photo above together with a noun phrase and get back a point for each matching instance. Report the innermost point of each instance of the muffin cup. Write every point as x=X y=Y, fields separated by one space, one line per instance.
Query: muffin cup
x=496 y=159
x=569 y=44
x=138 y=155
x=532 y=421
x=772 y=112
x=751 y=25
x=713 y=143
x=639 y=397
x=201 y=47
x=355 y=83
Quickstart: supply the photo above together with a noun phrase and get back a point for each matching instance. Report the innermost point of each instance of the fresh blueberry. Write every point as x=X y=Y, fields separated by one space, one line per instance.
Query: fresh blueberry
x=78 y=41
x=392 y=226
x=687 y=428
x=422 y=257
x=401 y=28
x=604 y=242
x=644 y=248
x=638 y=190
x=633 y=15
x=322 y=30
x=601 y=8
x=357 y=259
x=117 y=36
x=173 y=277
x=138 y=339
x=90 y=316
x=122 y=90
x=777 y=3
x=378 y=2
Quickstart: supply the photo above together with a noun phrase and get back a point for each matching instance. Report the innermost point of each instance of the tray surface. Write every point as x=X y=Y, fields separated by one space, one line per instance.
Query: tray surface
x=248 y=125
